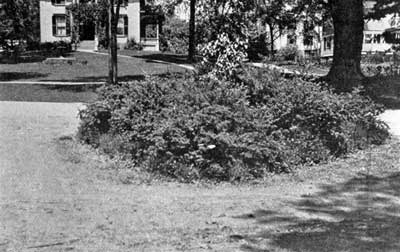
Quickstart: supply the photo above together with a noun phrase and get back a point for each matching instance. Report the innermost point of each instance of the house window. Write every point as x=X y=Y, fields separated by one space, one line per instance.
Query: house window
x=377 y=39
x=58 y=2
x=368 y=38
x=60 y=27
x=122 y=28
x=328 y=43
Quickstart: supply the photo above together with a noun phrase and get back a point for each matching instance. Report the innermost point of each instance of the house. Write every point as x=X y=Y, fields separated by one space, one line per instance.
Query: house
x=373 y=41
x=303 y=36
x=134 y=24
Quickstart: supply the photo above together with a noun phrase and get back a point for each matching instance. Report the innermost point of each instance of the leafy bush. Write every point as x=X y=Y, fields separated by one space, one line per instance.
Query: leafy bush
x=133 y=45
x=200 y=128
x=50 y=46
x=223 y=57
x=376 y=58
x=174 y=36
x=287 y=53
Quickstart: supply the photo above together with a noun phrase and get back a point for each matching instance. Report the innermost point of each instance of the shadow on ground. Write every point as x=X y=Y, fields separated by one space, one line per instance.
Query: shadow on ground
x=362 y=214
x=166 y=57
x=13 y=76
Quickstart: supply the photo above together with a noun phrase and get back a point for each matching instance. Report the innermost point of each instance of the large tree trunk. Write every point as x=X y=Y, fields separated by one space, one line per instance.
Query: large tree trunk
x=348 y=22
x=192 y=30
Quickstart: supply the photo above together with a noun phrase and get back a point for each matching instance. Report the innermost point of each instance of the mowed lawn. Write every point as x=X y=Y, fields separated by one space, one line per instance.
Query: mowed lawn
x=95 y=70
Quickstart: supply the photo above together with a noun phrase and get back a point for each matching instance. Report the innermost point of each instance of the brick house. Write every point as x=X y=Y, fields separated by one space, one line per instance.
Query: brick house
x=134 y=23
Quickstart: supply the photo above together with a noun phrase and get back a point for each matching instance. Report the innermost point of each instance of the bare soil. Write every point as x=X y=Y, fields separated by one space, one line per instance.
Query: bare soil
x=56 y=195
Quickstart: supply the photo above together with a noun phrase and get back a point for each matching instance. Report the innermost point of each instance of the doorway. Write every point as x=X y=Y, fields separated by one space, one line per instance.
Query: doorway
x=87 y=31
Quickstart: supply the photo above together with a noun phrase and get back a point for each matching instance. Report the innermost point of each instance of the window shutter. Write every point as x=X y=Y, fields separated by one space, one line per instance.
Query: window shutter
x=54 y=26
x=68 y=24
x=126 y=25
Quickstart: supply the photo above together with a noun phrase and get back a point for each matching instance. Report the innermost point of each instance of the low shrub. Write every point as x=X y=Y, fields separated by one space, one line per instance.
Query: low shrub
x=287 y=53
x=200 y=128
x=133 y=45
x=376 y=58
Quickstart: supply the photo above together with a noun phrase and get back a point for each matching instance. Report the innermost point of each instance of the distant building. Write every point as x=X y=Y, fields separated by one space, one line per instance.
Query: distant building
x=134 y=23
x=301 y=35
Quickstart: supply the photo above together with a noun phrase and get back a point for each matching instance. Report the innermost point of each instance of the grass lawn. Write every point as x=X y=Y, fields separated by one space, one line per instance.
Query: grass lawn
x=47 y=93
x=96 y=69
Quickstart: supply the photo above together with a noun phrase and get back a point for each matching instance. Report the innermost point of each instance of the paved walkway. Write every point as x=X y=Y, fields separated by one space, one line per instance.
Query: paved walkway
x=392 y=118
x=63 y=83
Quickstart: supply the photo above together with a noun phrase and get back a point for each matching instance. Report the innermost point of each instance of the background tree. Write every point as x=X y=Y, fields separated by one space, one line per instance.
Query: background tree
x=192 y=31
x=19 y=23
x=113 y=17
x=169 y=7
x=277 y=15
x=348 y=23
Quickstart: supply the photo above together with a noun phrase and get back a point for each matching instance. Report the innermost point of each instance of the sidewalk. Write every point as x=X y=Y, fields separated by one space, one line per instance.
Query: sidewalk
x=64 y=83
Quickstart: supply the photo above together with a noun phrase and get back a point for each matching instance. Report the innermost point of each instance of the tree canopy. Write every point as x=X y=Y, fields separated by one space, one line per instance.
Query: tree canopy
x=19 y=21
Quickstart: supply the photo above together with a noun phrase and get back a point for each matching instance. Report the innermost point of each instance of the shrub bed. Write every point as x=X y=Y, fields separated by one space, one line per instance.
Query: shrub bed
x=198 y=128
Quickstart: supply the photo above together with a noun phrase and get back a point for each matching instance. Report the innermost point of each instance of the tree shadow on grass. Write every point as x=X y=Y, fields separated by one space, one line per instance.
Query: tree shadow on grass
x=121 y=78
x=362 y=214
x=166 y=57
x=13 y=76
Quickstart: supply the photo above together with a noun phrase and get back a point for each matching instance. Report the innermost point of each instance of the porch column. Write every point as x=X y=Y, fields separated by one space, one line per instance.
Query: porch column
x=96 y=36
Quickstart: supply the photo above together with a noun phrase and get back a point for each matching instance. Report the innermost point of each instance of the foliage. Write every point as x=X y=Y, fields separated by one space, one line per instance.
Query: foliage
x=174 y=37
x=223 y=57
x=231 y=17
x=201 y=128
x=384 y=7
x=19 y=23
x=133 y=45
x=289 y=52
x=258 y=46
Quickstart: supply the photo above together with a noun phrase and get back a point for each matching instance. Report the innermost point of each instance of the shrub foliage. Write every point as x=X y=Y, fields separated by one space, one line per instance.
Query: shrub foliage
x=202 y=128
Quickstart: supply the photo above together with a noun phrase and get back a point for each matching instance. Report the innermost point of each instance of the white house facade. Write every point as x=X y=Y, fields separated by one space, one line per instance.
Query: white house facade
x=134 y=24
x=373 y=41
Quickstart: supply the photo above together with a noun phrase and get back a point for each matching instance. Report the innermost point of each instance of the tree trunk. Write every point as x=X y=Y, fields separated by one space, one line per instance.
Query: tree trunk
x=192 y=31
x=272 y=39
x=113 y=16
x=348 y=22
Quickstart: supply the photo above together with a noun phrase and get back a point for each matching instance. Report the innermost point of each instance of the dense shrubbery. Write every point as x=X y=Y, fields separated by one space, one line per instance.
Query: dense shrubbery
x=174 y=36
x=133 y=45
x=35 y=51
x=49 y=46
x=200 y=128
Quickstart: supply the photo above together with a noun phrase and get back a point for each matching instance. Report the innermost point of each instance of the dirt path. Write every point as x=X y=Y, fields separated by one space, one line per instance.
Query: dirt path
x=52 y=199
